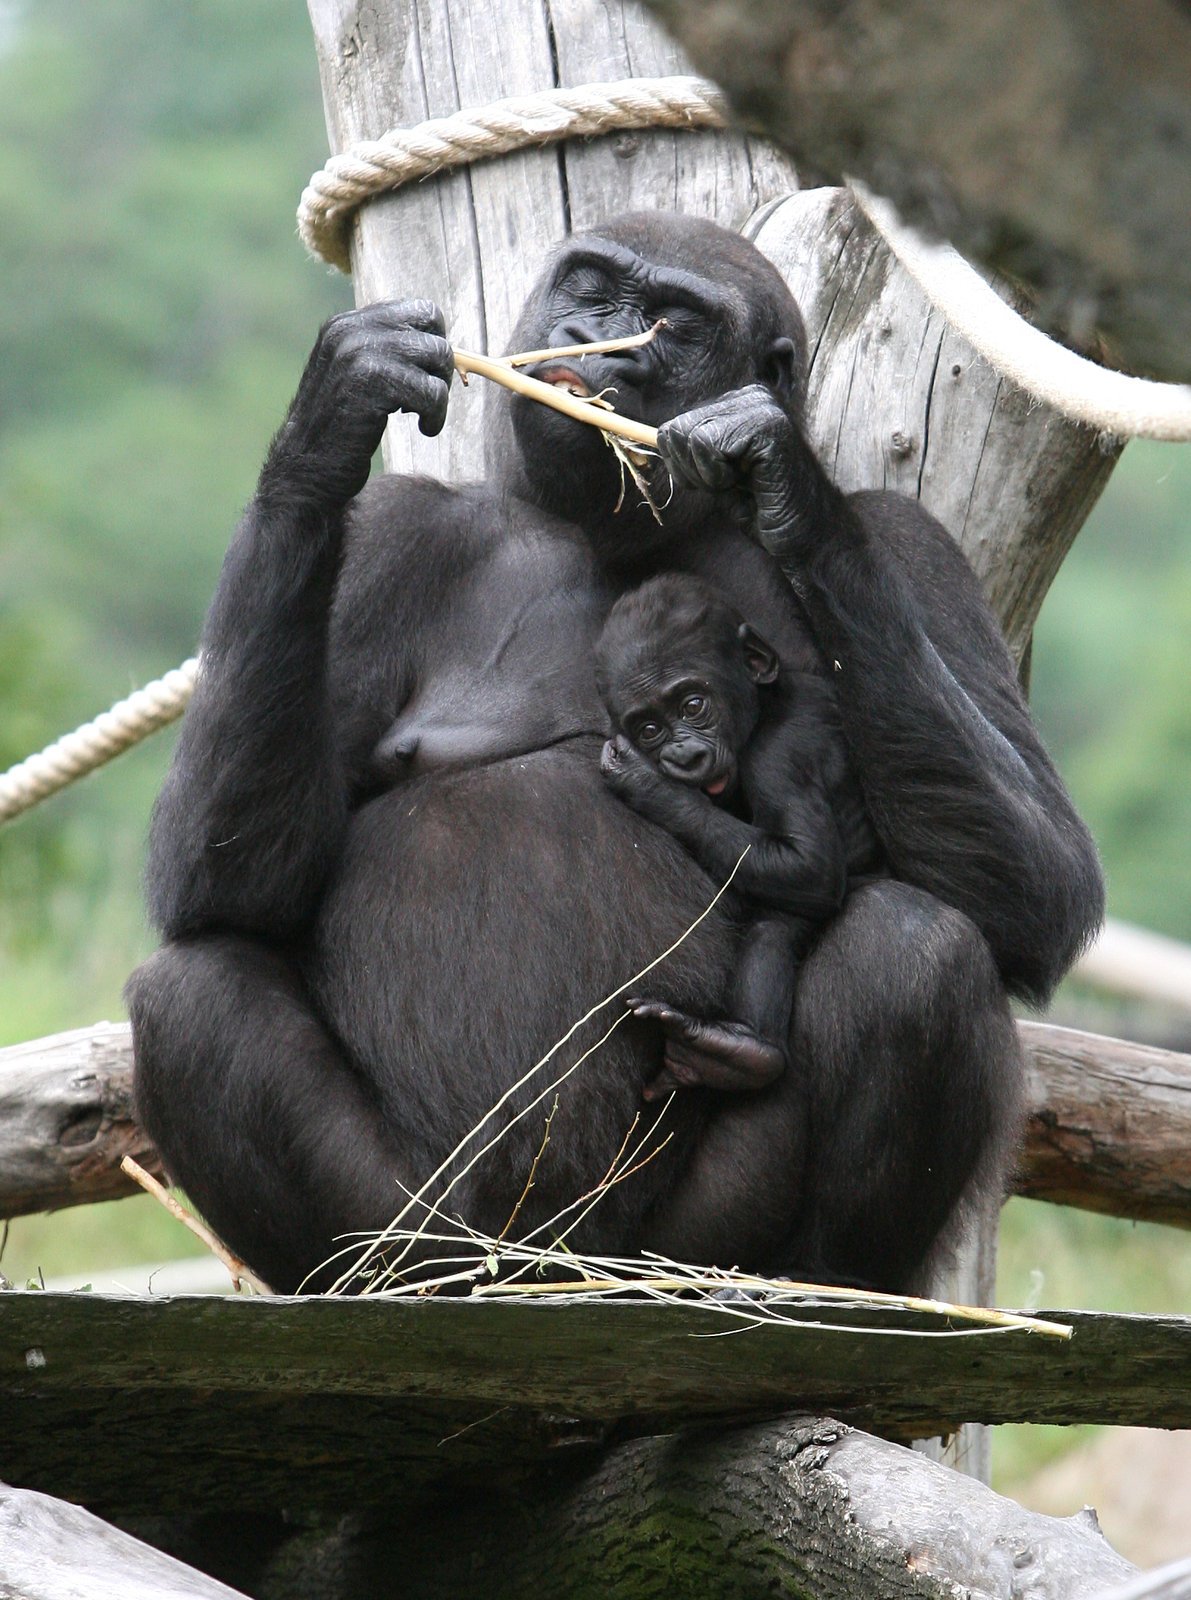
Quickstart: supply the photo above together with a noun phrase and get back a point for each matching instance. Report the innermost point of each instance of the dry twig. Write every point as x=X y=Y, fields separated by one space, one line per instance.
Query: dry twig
x=238 y=1270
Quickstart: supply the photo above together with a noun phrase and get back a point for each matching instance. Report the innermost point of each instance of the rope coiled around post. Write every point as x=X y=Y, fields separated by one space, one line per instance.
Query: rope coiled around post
x=376 y=166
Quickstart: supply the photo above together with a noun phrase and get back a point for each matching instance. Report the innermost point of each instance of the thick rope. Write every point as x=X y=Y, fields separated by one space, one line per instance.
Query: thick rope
x=1134 y=408
x=88 y=747
x=377 y=166
x=1130 y=407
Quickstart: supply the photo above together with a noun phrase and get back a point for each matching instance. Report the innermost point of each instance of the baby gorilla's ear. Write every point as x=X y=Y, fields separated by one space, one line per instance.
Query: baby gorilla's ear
x=759 y=658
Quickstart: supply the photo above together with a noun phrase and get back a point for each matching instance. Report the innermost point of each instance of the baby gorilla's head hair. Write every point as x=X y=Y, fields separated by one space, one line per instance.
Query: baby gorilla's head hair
x=671 y=622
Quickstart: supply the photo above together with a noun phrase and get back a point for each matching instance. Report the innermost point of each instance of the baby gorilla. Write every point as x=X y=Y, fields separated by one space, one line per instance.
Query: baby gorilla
x=724 y=747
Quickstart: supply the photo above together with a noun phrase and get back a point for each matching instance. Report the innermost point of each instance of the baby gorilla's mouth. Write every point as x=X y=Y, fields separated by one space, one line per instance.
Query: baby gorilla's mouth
x=565 y=378
x=717 y=787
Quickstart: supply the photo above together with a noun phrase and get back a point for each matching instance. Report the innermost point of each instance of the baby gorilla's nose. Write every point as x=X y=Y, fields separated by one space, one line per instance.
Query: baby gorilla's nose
x=689 y=763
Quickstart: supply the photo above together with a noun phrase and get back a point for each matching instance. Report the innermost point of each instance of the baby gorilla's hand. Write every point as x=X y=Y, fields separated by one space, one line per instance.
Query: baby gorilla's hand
x=625 y=769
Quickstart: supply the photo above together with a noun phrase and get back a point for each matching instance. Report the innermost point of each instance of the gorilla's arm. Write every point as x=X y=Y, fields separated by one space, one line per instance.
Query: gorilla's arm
x=964 y=797
x=252 y=814
x=795 y=861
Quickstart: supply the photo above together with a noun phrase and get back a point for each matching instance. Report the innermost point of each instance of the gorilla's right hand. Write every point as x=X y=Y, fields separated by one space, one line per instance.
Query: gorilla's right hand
x=365 y=364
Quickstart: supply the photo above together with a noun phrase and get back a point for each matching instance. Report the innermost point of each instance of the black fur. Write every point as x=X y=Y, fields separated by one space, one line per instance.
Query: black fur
x=390 y=877
x=744 y=762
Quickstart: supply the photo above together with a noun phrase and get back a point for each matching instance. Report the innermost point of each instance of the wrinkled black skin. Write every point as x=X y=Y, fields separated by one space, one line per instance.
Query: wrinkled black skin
x=701 y=708
x=356 y=964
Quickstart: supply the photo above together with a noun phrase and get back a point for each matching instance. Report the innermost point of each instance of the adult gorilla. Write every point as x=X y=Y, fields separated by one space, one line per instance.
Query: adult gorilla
x=390 y=876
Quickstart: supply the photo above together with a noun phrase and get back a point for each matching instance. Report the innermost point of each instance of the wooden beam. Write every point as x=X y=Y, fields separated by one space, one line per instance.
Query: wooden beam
x=66 y=1120
x=50 y=1550
x=1109 y=1127
x=140 y=1405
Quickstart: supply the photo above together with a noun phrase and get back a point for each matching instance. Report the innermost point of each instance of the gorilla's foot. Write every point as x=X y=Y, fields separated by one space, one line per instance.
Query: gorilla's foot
x=708 y=1055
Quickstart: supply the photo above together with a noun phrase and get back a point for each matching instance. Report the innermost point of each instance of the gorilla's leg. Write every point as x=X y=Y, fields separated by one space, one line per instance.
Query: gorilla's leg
x=742 y=1184
x=905 y=1043
x=255 y=1111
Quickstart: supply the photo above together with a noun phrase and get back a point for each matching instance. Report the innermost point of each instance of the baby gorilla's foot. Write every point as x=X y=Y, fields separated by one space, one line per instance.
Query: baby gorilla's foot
x=708 y=1055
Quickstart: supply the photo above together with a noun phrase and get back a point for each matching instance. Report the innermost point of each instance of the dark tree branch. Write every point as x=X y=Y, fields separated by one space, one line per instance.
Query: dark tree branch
x=1065 y=164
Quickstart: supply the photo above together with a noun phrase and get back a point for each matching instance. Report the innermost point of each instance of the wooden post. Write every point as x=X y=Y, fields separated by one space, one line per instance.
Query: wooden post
x=474 y=240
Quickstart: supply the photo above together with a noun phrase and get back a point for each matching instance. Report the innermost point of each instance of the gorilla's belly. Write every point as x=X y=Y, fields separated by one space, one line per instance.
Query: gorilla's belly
x=478 y=915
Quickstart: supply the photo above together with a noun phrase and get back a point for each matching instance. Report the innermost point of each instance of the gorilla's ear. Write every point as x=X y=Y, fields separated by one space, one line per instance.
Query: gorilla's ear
x=759 y=658
x=779 y=369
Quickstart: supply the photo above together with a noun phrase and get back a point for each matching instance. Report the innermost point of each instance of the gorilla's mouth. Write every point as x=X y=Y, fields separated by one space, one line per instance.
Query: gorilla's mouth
x=717 y=787
x=564 y=378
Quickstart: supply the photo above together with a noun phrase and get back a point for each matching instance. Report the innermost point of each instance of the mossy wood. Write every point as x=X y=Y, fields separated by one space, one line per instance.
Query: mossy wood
x=141 y=1404
x=796 y=1506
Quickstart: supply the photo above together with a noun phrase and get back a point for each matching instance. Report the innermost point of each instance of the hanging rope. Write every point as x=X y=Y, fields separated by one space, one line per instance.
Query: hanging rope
x=1134 y=408
x=1130 y=407
x=95 y=743
x=375 y=167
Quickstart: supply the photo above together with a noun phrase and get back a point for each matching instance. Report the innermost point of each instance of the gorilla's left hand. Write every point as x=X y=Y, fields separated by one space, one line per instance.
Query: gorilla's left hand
x=744 y=441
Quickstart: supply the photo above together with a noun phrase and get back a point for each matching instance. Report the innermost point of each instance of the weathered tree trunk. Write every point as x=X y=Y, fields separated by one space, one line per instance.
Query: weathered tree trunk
x=1048 y=139
x=1100 y=1119
x=50 y=1550
x=66 y=1120
x=476 y=239
x=899 y=401
x=800 y=1505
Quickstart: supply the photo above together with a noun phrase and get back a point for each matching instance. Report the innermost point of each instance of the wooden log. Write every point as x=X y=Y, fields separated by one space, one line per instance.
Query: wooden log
x=50 y=1550
x=1109 y=1125
x=475 y=240
x=66 y=1120
x=800 y=1506
x=1169 y=1582
x=138 y=1406
x=1065 y=163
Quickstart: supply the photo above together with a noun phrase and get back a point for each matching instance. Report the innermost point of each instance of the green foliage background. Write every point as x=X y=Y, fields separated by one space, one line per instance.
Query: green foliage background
x=155 y=310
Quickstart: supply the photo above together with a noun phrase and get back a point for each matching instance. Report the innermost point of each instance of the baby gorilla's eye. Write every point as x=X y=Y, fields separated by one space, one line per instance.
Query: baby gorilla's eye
x=694 y=706
x=649 y=732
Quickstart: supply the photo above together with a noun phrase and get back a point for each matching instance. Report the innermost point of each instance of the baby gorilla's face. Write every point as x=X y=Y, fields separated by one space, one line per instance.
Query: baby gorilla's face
x=680 y=672
x=688 y=725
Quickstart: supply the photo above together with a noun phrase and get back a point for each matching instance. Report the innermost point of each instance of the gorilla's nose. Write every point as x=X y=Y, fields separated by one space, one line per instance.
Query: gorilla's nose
x=689 y=763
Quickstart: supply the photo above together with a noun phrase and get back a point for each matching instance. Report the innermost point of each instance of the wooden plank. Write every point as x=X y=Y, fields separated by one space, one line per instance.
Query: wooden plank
x=53 y=1551
x=249 y=1403
x=1109 y=1126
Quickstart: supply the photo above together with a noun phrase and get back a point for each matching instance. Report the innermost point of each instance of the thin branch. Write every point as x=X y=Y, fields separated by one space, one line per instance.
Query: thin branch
x=549 y=395
x=596 y=348
x=237 y=1269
